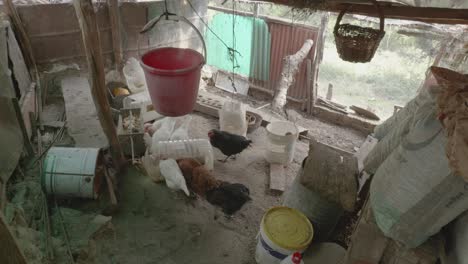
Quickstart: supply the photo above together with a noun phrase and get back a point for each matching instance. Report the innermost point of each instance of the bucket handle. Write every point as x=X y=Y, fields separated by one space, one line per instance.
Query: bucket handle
x=176 y=18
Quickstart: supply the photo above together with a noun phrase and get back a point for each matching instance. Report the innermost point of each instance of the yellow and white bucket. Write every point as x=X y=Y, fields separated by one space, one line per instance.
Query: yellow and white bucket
x=283 y=231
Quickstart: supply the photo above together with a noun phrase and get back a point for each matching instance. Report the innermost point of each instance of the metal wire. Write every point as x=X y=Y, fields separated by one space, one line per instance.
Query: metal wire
x=230 y=49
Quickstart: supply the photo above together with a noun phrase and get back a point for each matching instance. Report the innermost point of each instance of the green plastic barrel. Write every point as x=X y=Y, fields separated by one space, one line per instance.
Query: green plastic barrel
x=70 y=172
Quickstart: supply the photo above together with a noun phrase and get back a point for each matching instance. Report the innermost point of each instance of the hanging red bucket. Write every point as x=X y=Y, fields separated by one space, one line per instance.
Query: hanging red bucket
x=172 y=74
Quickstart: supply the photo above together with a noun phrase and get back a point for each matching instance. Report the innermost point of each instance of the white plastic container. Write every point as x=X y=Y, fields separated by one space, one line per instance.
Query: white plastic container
x=191 y=148
x=135 y=76
x=232 y=118
x=282 y=137
x=283 y=231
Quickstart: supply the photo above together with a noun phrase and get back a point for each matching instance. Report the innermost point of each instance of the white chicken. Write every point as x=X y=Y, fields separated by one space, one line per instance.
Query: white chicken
x=173 y=175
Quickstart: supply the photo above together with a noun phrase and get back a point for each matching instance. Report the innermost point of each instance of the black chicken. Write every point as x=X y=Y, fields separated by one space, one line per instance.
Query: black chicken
x=229 y=196
x=229 y=144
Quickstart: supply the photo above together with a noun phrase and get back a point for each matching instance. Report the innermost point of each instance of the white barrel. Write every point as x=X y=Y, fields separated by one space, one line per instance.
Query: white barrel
x=283 y=232
x=70 y=172
x=232 y=118
x=282 y=137
x=190 y=148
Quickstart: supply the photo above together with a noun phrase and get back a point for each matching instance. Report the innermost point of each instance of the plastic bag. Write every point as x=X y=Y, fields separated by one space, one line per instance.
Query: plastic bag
x=134 y=76
x=181 y=133
x=427 y=94
x=414 y=193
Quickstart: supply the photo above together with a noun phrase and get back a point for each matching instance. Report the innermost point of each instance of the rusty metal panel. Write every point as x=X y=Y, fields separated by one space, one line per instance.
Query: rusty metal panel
x=287 y=39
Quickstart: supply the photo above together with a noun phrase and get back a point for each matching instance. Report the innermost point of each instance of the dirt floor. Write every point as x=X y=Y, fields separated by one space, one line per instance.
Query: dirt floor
x=157 y=225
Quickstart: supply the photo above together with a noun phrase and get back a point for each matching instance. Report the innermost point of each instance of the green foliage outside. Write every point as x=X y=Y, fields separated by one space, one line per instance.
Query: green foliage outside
x=392 y=78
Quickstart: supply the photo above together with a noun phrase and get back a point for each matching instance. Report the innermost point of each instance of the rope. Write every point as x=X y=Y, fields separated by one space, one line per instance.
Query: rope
x=233 y=59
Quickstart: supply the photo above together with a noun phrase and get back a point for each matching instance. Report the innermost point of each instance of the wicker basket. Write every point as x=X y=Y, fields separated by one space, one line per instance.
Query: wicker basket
x=355 y=43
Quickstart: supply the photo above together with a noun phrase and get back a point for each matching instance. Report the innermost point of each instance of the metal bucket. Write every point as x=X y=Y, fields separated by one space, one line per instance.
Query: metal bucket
x=324 y=215
x=71 y=172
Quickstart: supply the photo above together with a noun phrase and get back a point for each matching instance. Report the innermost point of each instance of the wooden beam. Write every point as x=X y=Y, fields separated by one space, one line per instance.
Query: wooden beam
x=319 y=46
x=277 y=177
x=9 y=251
x=92 y=46
x=423 y=14
x=114 y=15
x=19 y=116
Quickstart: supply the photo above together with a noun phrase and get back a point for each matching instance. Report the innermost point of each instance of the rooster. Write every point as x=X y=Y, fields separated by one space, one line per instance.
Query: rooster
x=229 y=196
x=229 y=144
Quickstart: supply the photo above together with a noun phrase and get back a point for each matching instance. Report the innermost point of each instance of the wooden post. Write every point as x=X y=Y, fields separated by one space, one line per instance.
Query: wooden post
x=309 y=89
x=9 y=251
x=92 y=46
x=317 y=60
x=288 y=72
x=114 y=15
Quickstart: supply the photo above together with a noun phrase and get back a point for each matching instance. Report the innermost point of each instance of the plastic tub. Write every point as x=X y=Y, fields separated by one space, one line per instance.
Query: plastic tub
x=172 y=74
x=173 y=77
x=191 y=148
x=282 y=136
x=283 y=231
x=71 y=172
x=232 y=118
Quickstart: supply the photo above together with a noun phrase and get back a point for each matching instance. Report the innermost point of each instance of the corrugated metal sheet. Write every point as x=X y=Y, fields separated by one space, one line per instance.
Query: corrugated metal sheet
x=218 y=55
x=287 y=39
x=260 y=58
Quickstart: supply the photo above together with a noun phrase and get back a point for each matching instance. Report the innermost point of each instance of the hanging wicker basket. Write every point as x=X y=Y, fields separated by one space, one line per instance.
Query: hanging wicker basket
x=355 y=43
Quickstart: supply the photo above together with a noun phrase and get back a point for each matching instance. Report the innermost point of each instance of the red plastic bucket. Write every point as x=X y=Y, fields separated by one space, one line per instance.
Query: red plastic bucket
x=172 y=76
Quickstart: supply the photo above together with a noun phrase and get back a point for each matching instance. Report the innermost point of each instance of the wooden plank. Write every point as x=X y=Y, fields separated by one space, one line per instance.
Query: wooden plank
x=91 y=40
x=23 y=38
x=277 y=177
x=423 y=14
x=20 y=70
x=114 y=15
x=364 y=150
x=114 y=206
x=19 y=116
x=9 y=250
x=309 y=93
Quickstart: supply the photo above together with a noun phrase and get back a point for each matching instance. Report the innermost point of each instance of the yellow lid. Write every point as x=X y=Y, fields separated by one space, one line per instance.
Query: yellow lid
x=120 y=91
x=288 y=228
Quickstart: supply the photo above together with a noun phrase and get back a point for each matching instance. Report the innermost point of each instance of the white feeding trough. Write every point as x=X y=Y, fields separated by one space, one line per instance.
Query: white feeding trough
x=282 y=137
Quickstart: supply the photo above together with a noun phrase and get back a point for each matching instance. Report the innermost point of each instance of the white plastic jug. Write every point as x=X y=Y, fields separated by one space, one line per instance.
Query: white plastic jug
x=190 y=148
x=232 y=118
